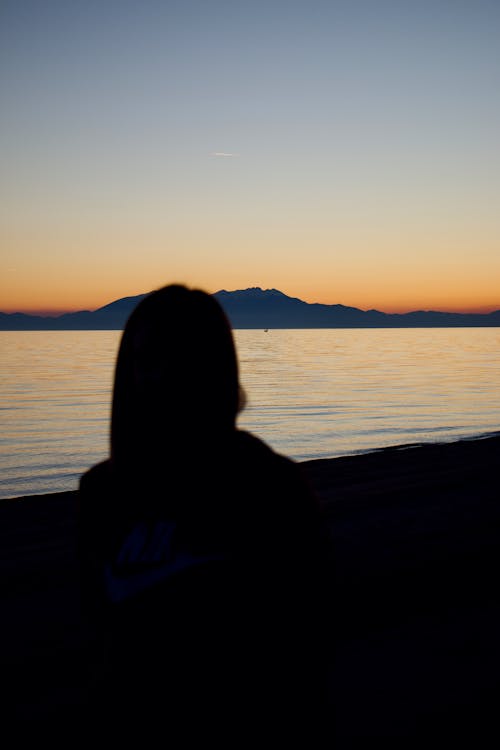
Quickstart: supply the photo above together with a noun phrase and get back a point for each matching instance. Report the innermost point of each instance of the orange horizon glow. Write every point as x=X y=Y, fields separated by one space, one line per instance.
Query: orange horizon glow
x=361 y=275
x=453 y=306
x=349 y=159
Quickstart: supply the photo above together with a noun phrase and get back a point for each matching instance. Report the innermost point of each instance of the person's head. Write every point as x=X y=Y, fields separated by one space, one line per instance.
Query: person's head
x=176 y=374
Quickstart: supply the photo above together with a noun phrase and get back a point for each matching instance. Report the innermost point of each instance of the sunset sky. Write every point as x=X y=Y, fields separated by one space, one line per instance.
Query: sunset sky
x=340 y=151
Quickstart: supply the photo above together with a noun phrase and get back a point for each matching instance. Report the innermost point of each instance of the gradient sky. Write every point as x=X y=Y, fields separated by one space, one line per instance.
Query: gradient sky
x=343 y=152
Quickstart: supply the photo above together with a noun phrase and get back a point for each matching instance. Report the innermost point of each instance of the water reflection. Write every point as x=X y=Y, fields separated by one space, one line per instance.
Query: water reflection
x=311 y=394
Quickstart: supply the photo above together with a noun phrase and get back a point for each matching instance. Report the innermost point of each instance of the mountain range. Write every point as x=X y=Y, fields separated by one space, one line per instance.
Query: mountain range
x=257 y=308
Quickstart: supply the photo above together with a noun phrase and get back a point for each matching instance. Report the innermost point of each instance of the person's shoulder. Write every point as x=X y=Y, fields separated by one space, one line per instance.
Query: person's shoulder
x=97 y=478
x=277 y=490
x=248 y=441
x=256 y=449
x=260 y=462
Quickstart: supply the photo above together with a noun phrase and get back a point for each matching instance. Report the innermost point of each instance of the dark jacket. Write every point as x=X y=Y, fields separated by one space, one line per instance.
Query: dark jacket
x=207 y=582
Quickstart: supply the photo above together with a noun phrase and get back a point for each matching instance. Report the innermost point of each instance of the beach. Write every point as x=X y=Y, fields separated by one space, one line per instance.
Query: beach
x=414 y=537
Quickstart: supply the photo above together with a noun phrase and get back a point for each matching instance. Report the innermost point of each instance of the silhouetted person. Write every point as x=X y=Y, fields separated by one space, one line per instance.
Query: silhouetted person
x=201 y=548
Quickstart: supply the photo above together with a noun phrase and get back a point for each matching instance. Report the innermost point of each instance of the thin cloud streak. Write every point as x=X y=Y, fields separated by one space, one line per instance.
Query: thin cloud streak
x=222 y=154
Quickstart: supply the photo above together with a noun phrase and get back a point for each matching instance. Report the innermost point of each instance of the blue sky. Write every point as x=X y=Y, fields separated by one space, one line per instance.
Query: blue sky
x=361 y=150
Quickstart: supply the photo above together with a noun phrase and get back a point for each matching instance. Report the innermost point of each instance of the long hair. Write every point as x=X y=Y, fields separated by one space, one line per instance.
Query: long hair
x=176 y=378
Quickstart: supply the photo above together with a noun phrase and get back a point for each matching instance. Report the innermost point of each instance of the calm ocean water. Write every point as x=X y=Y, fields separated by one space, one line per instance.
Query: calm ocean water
x=311 y=394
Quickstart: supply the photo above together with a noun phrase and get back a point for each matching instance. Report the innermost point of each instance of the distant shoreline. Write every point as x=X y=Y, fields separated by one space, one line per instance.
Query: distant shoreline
x=269 y=328
x=257 y=308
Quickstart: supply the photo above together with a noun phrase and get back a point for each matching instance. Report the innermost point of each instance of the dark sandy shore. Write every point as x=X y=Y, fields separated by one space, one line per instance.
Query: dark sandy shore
x=414 y=586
